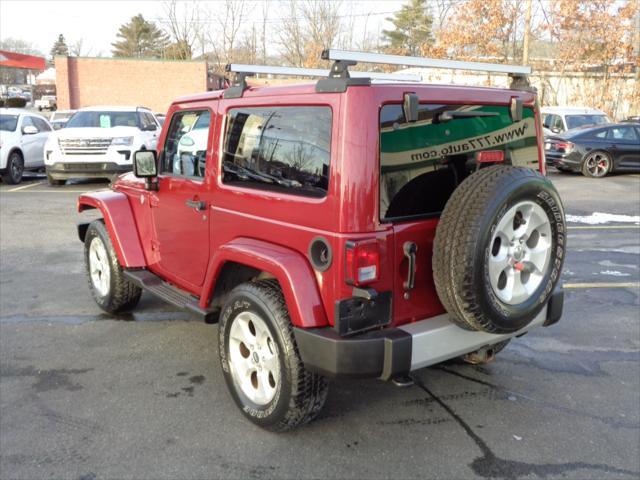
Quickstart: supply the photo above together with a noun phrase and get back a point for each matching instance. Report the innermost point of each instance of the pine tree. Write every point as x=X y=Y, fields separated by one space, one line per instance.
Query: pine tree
x=139 y=38
x=60 y=47
x=412 y=28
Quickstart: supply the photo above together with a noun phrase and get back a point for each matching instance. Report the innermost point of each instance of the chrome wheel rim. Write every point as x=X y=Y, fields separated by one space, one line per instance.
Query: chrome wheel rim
x=519 y=252
x=99 y=268
x=598 y=164
x=253 y=358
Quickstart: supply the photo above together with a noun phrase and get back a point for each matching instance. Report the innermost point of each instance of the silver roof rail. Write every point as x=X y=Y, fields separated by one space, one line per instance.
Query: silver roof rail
x=365 y=57
x=355 y=78
x=318 y=72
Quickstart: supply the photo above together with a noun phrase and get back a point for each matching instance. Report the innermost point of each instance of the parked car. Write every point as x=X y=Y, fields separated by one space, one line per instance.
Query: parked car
x=22 y=139
x=556 y=120
x=59 y=118
x=46 y=102
x=632 y=119
x=596 y=151
x=98 y=142
x=347 y=229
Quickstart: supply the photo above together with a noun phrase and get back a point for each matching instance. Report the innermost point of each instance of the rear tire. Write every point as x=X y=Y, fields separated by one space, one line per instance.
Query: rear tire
x=109 y=287
x=15 y=169
x=260 y=360
x=596 y=165
x=499 y=249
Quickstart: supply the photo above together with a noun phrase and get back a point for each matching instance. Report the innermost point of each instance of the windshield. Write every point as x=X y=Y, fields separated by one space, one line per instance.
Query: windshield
x=103 y=119
x=575 y=121
x=61 y=115
x=8 y=123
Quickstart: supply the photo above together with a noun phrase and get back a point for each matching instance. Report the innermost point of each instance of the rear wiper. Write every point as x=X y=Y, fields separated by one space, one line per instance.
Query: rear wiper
x=449 y=115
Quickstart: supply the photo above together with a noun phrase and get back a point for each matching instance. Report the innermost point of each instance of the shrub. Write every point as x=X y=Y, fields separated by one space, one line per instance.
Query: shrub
x=1 y=102
x=16 y=102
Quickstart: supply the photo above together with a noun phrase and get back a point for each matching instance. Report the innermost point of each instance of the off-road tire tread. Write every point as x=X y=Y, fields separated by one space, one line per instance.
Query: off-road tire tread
x=125 y=295
x=454 y=244
x=309 y=390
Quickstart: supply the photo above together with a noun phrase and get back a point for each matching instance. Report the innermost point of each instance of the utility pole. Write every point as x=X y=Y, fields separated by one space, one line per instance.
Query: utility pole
x=527 y=33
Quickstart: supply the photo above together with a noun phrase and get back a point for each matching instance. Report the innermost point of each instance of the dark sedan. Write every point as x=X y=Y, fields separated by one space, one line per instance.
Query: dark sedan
x=596 y=151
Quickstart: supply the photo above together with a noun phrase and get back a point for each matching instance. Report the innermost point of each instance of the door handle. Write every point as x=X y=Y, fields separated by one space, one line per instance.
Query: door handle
x=198 y=205
x=410 y=249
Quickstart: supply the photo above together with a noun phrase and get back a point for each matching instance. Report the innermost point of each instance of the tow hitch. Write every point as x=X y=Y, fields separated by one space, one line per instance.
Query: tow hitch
x=481 y=356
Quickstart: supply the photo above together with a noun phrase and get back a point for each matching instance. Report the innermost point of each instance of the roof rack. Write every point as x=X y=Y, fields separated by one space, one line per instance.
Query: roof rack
x=362 y=78
x=343 y=58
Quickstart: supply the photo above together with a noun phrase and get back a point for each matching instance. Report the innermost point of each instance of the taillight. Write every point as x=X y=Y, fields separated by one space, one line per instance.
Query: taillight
x=490 y=156
x=362 y=262
x=566 y=146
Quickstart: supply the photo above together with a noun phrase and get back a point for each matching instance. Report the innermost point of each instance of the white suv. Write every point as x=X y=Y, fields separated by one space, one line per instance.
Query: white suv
x=556 y=120
x=98 y=142
x=22 y=138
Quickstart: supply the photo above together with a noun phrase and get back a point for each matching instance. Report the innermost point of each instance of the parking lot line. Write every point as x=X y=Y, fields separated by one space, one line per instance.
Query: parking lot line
x=604 y=227
x=22 y=187
x=602 y=285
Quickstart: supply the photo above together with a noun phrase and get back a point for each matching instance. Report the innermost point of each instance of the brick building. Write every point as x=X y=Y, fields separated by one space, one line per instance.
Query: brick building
x=83 y=82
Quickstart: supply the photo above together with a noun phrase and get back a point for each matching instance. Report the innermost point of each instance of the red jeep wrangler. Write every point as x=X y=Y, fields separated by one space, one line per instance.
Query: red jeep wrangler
x=343 y=228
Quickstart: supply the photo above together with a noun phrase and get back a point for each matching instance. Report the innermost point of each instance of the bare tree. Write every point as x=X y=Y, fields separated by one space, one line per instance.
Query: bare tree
x=311 y=26
x=76 y=50
x=184 y=24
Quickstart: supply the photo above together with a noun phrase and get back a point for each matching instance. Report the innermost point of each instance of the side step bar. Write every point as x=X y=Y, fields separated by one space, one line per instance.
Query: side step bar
x=171 y=294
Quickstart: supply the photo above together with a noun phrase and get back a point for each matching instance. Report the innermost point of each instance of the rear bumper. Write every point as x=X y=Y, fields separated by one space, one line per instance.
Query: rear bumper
x=394 y=351
x=64 y=171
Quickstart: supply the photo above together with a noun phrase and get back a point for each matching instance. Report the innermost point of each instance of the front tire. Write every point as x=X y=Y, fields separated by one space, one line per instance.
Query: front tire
x=110 y=289
x=55 y=183
x=596 y=165
x=15 y=169
x=260 y=360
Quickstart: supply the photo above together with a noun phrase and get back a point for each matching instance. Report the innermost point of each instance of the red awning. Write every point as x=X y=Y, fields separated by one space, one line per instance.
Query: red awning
x=18 y=60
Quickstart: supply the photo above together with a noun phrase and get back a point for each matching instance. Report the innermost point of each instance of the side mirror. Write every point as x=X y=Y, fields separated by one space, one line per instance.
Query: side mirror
x=145 y=165
x=555 y=129
x=410 y=107
x=29 y=130
x=152 y=127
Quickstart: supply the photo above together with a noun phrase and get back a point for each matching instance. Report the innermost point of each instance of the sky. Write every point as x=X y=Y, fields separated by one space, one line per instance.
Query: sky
x=96 y=22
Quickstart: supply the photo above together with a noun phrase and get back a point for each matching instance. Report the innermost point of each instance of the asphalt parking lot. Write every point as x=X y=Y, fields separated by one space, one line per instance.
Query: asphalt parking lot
x=84 y=396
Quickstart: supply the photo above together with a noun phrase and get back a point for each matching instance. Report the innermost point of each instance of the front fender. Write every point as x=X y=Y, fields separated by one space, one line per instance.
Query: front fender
x=120 y=223
x=290 y=268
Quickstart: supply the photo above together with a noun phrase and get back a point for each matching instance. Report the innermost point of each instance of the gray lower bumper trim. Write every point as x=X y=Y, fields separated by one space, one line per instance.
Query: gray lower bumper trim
x=437 y=339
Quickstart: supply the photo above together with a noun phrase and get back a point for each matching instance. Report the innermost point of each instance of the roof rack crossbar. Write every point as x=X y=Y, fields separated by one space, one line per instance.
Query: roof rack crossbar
x=382 y=58
x=249 y=70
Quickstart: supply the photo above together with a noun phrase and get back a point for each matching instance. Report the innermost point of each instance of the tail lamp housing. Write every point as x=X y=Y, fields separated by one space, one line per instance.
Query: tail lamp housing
x=362 y=262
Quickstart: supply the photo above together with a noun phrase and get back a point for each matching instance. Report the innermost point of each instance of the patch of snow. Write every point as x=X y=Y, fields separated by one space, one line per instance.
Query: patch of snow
x=615 y=273
x=598 y=218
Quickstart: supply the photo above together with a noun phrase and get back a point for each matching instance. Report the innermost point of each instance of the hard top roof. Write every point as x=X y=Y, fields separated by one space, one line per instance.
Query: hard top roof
x=309 y=88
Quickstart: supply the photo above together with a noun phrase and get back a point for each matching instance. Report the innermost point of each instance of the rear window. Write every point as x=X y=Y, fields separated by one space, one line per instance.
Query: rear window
x=575 y=121
x=103 y=119
x=8 y=123
x=421 y=163
x=284 y=149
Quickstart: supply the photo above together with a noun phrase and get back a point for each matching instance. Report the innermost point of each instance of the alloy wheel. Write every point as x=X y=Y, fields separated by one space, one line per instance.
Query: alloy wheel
x=520 y=251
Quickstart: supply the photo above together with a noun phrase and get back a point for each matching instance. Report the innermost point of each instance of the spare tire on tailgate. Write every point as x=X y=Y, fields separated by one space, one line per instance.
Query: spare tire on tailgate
x=499 y=249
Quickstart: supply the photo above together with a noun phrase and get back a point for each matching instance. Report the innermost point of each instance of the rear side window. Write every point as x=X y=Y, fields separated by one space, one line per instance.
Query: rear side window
x=421 y=163
x=283 y=149
x=185 y=148
x=622 y=133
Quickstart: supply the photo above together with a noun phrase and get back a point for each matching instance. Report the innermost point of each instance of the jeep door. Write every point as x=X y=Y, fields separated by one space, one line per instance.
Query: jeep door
x=180 y=207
